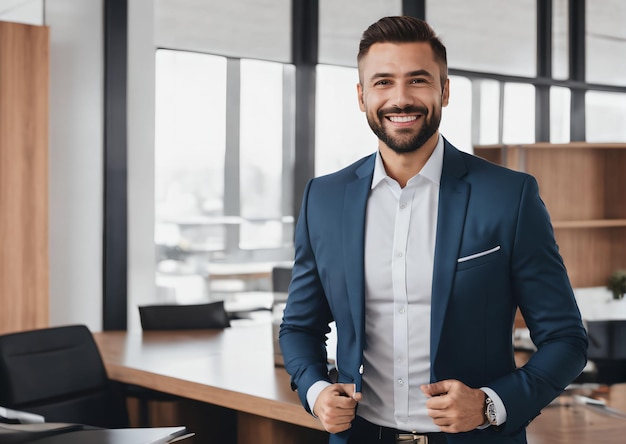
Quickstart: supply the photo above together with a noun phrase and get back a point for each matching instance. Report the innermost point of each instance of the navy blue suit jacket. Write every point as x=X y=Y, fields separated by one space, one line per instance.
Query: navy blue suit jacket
x=482 y=206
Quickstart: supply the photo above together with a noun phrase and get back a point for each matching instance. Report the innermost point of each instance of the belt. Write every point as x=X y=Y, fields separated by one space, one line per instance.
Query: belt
x=364 y=431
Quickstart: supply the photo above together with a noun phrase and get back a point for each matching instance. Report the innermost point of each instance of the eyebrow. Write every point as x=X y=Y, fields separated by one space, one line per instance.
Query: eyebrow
x=418 y=73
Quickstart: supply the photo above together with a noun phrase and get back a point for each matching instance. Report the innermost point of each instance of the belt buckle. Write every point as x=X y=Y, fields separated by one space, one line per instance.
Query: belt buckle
x=411 y=438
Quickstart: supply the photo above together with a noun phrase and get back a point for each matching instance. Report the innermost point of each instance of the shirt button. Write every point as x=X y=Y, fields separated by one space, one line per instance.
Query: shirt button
x=400 y=382
x=402 y=310
x=399 y=254
x=402 y=205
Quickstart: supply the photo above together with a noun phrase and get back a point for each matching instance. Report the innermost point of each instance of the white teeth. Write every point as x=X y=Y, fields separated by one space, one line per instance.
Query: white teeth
x=401 y=119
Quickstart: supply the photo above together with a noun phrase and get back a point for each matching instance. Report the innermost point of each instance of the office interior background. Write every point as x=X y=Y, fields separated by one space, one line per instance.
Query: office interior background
x=182 y=132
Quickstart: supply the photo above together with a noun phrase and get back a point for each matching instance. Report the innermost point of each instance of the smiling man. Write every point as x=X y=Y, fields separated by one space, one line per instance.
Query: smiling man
x=421 y=254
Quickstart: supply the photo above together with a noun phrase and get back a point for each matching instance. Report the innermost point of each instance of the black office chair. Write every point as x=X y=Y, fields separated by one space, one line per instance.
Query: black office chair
x=58 y=373
x=607 y=350
x=281 y=277
x=184 y=317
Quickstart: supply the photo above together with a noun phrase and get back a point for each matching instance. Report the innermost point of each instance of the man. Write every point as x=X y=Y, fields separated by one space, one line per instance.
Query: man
x=421 y=254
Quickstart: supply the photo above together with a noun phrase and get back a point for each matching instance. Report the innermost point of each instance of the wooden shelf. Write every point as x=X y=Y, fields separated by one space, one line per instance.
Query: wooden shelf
x=582 y=185
x=597 y=223
x=24 y=61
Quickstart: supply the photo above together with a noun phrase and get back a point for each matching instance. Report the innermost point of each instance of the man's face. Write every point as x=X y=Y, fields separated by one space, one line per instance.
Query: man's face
x=401 y=94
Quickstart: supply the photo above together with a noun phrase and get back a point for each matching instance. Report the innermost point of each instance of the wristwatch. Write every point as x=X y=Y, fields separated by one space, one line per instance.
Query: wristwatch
x=490 y=411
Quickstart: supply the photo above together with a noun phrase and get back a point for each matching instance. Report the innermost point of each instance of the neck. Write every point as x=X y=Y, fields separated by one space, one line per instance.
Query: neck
x=402 y=166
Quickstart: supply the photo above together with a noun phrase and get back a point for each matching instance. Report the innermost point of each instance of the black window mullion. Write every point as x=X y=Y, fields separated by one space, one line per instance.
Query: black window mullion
x=544 y=70
x=577 y=29
x=305 y=31
x=115 y=202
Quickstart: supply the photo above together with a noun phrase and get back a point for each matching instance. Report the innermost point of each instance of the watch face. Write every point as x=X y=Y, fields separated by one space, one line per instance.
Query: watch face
x=490 y=411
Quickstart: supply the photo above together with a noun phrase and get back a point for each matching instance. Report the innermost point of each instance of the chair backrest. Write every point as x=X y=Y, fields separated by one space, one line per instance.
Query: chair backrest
x=58 y=373
x=184 y=317
x=281 y=278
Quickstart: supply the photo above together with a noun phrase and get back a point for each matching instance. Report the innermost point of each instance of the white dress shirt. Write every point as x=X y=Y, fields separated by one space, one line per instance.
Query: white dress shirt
x=400 y=234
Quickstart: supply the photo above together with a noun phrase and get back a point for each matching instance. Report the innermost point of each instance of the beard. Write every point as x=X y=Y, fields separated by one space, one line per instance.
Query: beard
x=410 y=142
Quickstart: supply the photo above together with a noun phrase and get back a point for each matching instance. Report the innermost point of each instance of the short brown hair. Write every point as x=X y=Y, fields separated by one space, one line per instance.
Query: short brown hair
x=404 y=29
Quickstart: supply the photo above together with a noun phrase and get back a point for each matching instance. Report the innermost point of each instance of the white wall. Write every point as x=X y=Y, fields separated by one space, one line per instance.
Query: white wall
x=76 y=159
x=76 y=164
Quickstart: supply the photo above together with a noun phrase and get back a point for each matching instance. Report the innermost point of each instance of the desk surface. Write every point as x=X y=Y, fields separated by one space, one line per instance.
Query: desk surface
x=232 y=368
x=566 y=421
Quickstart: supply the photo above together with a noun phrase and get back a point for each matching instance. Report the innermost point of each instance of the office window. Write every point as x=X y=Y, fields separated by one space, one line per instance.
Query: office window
x=519 y=113
x=560 y=39
x=489 y=112
x=606 y=117
x=261 y=160
x=190 y=102
x=342 y=134
x=456 y=118
x=560 y=105
x=487 y=35
x=606 y=42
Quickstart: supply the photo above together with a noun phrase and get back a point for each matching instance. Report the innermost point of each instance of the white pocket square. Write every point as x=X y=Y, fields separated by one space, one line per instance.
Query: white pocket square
x=474 y=256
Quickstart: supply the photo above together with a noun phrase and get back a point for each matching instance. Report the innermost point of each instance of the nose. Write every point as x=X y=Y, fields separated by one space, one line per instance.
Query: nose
x=402 y=96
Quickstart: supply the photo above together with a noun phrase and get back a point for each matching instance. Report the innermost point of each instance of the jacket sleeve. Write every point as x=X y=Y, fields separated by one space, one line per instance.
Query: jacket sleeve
x=304 y=329
x=544 y=295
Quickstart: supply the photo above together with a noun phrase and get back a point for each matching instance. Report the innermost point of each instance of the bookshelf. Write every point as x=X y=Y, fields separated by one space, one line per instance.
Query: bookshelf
x=584 y=188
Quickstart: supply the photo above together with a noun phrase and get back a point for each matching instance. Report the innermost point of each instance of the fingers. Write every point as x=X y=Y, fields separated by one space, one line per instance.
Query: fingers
x=336 y=406
x=453 y=406
x=350 y=390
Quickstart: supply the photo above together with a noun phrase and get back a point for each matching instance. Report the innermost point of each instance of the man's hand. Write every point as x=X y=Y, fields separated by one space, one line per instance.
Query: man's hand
x=455 y=407
x=336 y=406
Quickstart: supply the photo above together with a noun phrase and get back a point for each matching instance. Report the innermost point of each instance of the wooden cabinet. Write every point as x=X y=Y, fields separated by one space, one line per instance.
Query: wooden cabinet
x=24 y=72
x=584 y=188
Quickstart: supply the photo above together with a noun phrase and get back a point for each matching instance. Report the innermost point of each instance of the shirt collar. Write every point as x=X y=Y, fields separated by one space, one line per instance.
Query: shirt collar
x=431 y=170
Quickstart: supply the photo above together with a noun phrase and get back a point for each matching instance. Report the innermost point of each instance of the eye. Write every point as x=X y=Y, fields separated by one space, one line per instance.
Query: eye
x=418 y=80
x=382 y=83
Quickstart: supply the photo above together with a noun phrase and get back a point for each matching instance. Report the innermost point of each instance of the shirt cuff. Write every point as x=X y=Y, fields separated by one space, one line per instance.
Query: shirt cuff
x=500 y=409
x=313 y=392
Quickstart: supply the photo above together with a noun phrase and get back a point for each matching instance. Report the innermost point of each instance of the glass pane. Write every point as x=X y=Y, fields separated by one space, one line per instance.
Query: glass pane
x=190 y=102
x=456 y=119
x=487 y=35
x=606 y=42
x=606 y=117
x=260 y=30
x=261 y=150
x=560 y=39
x=560 y=103
x=342 y=134
x=489 y=112
x=341 y=24
x=519 y=113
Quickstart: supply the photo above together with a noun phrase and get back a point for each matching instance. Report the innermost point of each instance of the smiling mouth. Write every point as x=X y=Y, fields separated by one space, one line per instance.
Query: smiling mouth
x=402 y=119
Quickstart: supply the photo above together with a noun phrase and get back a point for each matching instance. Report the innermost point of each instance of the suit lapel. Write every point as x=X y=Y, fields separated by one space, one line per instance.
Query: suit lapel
x=453 y=200
x=355 y=204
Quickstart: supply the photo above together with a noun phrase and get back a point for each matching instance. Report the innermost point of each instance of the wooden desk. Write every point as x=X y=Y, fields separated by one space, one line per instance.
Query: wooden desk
x=233 y=368
x=566 y=422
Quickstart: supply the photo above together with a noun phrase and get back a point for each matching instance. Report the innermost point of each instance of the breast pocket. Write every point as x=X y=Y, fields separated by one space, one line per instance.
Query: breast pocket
x=479 y=258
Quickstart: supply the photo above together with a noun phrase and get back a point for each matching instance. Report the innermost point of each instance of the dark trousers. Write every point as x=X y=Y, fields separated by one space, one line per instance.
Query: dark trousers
x=364 y=432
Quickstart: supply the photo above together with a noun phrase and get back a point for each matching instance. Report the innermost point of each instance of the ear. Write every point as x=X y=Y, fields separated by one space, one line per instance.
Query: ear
x=359 y=92
x=445 y=95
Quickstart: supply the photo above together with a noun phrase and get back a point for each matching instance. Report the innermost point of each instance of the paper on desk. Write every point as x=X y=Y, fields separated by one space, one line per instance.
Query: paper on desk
x=22 y=417
x=599 y=406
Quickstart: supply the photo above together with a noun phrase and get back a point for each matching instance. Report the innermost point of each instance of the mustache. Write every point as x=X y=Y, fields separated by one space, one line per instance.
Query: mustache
x=412 y=109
